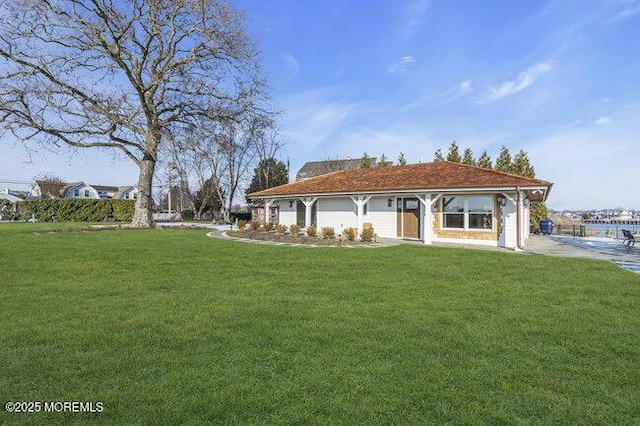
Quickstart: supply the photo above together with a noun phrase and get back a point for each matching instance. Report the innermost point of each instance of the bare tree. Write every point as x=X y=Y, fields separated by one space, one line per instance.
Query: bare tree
x=119 y=75
x=48 y=185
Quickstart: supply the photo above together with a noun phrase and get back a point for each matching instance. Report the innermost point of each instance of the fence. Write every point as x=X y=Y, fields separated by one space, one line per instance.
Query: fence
x=595 y=230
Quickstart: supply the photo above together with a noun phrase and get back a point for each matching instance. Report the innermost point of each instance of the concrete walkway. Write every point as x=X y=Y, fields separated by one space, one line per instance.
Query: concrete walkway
x=590 y=248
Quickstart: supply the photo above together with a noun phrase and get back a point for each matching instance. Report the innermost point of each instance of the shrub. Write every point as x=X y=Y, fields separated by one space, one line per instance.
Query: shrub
x=74 y=209
x=267 y=226
x=281 y=229
x=368 y=233
x=242 y=224
x=187 y=214
x=328 y=233
x=350 y=233
x=312 y=231
x=254 y=225
x=295 y=229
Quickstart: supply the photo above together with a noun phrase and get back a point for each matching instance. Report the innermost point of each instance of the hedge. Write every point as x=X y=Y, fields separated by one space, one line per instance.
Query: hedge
x=76 y=210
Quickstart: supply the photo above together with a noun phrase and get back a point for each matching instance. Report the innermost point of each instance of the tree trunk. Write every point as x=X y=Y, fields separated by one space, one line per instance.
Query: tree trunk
x=142 y=215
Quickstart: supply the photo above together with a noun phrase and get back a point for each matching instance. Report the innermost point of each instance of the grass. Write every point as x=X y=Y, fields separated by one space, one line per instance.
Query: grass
x=171 y=327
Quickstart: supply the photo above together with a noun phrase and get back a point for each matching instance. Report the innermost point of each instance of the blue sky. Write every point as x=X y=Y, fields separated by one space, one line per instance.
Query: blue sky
x=559 y=79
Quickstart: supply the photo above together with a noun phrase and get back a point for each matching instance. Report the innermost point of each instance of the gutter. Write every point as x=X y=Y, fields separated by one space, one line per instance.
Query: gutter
x=518 y=220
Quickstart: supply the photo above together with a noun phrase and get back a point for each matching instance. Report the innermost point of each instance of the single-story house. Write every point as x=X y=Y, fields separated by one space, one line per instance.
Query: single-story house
x=430 y=202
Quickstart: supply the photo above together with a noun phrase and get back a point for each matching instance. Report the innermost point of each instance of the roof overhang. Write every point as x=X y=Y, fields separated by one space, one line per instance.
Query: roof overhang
x=534 y=193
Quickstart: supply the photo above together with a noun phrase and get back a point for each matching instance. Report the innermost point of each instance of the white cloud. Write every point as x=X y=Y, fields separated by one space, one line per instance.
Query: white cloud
x=400 y=66
x=625 y=13
x=465 y=87
x=524 y=80
x=591 y=166
x=449 y=95
x=291 y=64
x=414 y=14
x=603 y=120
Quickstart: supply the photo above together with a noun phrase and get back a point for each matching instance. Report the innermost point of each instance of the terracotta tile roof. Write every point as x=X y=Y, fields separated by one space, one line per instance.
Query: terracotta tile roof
x=440 y=175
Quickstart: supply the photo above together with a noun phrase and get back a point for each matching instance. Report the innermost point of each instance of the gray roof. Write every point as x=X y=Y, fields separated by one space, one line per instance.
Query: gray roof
x=317 y=168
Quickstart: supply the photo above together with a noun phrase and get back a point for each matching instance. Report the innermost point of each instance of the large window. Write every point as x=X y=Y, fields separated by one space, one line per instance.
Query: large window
x=469 y=212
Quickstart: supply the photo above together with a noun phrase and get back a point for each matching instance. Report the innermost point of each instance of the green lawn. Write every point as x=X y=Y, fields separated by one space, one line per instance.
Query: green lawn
x=172 y=327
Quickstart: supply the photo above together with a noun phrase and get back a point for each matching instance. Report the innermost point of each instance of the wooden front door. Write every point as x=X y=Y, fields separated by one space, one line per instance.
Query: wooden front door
x=408 y=220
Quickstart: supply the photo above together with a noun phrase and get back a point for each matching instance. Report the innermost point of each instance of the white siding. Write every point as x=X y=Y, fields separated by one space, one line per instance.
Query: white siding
x=382 y=216
x=338 y=213
x=81 y=192
x=287 y=214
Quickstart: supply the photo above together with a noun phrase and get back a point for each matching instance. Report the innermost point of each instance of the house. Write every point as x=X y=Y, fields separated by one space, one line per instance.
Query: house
x=312 y=169
x=11 y=196
x=53 y=189
x=430 y=202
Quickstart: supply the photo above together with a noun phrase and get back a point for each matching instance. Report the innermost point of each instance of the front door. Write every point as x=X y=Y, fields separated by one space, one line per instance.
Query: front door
x=408 y=218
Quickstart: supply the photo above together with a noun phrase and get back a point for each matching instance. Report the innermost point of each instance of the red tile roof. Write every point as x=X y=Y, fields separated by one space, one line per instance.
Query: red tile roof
x=423 y=176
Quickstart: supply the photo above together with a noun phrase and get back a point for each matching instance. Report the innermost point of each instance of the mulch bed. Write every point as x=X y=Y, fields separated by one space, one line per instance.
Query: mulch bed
x=293 y=239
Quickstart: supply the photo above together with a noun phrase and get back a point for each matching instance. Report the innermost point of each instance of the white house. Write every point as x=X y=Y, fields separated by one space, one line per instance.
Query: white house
x=440 y=201
x=9 y=195
x=45 y=189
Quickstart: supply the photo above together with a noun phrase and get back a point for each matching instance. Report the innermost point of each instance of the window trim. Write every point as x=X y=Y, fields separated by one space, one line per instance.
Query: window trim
x=466 y=213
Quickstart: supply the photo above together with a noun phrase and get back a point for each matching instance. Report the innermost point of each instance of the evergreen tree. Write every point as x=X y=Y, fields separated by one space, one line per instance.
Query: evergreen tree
x=521 y=165
x=485 y=161
x=454 y=153
x=467 y=158
x=438 y=156
x=382 y=162
x=503 y=162
x=366 y=161
x=268 y=174
x=401 y=160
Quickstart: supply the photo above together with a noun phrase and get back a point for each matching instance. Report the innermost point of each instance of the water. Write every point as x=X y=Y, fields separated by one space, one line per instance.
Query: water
x=605 y=230
x=599 y=230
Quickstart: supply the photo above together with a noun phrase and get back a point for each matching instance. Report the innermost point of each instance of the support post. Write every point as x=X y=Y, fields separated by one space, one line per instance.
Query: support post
x=308 y=202
x=360 y=201
x=427 y=222
x=267 y=205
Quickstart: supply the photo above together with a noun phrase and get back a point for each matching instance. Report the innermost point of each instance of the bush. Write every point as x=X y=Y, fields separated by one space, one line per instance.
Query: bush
x=254 y=225
x=328 y=233
x=294 y=229
x=312 y=231
x=267 y=226
x=75 y=209
x=350 y=233
x=368 y=233
x=187 y=214
x=281 y=229
x=242 y=224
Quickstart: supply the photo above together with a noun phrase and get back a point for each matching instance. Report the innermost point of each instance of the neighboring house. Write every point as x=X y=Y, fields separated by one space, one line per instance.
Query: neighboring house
x=441 y=202
x=12 y=196
x=317 y=168
x=42 y=189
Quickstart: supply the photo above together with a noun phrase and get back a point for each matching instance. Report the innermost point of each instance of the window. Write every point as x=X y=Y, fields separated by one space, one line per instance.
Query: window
x=76 y=192
x=480 y=212
x=86 y=193
x=473 y=212
x=453 y=212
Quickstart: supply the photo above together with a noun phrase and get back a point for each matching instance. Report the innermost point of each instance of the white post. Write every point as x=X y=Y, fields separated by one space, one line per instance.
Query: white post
x=308 y=202
x=267 y=206
x=427 y=222
x=360 y=201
